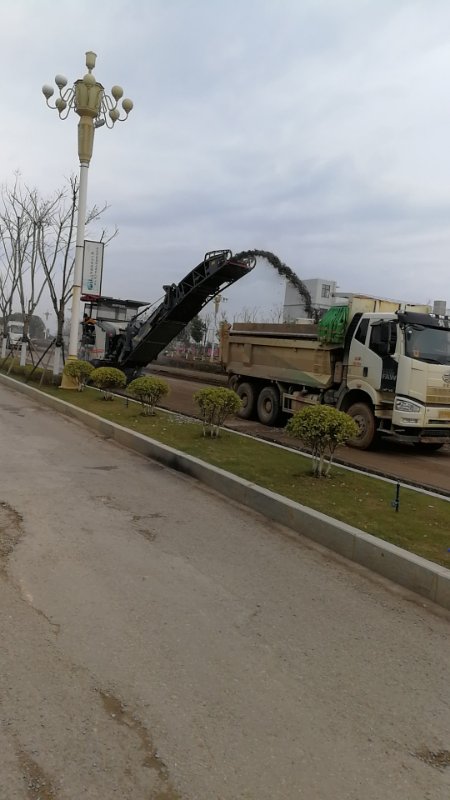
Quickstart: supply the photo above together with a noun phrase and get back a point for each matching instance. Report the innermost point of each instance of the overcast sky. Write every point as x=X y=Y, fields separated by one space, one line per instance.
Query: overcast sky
x=317 y=129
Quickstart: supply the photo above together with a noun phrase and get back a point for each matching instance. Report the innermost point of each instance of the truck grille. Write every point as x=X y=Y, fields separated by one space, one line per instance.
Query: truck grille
x=438 y=395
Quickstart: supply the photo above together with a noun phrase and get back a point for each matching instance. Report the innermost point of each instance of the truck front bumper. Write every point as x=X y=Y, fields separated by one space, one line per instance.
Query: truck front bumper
x=414 y=422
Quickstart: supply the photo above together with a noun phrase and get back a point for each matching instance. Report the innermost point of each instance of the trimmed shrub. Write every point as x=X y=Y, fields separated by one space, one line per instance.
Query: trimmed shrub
x=80 y=371
x=107 y=379
x=322 y=429
x=215 y=405
x=148 y=390
x=12 y=367
x=32 y=373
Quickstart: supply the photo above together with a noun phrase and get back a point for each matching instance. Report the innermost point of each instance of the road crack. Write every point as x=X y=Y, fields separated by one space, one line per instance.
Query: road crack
x=440 y=759
x=151 y=759
x=11 y=531
x=37 y=783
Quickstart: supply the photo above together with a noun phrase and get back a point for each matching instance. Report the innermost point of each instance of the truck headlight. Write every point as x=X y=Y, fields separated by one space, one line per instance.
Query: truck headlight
x=401 y=404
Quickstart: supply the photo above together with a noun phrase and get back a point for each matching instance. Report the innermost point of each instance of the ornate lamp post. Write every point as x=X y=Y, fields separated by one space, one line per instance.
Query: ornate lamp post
x=95 y=108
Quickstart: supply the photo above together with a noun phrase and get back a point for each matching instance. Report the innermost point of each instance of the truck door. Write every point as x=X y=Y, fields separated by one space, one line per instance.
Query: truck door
x=380 y=369
x=371 y=360
x=357 y=352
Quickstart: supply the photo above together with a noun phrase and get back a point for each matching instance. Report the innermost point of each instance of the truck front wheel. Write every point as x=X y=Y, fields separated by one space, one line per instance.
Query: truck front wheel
x=247 y=394
x=269 y=406
x=365 y=420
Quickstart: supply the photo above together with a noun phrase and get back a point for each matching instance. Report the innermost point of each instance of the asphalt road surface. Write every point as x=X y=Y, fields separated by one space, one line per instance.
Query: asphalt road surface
x=401 y=462
x=159 y=642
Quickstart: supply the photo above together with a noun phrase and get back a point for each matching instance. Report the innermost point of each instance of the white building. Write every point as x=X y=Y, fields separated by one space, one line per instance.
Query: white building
x=322 y=291
x=324 y=294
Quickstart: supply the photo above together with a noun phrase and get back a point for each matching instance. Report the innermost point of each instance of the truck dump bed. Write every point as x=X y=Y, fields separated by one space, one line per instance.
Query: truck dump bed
x=288 y=354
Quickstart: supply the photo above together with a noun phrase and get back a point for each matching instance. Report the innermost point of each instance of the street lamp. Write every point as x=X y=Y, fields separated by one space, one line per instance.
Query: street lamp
x=95 y=108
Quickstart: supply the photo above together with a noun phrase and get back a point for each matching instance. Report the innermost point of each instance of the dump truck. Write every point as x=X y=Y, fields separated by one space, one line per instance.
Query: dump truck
x=385 y=363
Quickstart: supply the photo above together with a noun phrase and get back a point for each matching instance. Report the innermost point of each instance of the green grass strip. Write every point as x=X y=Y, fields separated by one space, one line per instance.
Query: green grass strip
x=422 y=525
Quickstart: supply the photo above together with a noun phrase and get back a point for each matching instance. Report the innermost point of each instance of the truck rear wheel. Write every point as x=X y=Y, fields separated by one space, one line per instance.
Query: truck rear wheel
x=248 y=396
x=365 y=420
x=268 y=407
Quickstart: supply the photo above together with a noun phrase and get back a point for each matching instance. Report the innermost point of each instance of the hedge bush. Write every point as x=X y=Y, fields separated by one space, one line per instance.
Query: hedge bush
x=323 y=429
x=107 y=379
x=80 y=371
x=215 y=405
x=148 y=390
x=11 y=366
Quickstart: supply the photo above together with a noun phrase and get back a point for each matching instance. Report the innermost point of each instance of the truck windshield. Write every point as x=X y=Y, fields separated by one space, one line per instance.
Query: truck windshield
x=16 y=328
x=428 y=344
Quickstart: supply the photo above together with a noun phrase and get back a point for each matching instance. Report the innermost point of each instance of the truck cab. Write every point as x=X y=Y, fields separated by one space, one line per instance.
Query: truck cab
x=14 y=332
x=398 y=365
x=105 y=321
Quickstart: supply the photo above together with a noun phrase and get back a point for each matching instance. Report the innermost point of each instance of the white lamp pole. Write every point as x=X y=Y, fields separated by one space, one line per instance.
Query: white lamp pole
x=217 y=301
x=95 y=108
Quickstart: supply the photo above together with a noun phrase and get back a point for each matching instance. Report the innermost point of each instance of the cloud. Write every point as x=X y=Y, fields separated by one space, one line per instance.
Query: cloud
x=316 y=130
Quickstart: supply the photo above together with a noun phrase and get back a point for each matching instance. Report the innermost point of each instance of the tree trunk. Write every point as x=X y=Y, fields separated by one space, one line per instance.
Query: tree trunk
x=59 y=342
x=23 y=353
x=25 y=340
x=57 y=360
x=60 y=324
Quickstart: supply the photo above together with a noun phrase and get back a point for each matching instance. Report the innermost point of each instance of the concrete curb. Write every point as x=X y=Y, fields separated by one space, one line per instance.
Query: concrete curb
x=413 y=572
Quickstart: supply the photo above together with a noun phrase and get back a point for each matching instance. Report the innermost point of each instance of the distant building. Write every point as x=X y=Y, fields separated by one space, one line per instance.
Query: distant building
x=322 y=293
x=440 y=307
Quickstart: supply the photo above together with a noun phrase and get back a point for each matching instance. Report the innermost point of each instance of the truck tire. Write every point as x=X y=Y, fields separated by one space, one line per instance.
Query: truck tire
x=248 y=396
x=364 y=418
x=268 y=406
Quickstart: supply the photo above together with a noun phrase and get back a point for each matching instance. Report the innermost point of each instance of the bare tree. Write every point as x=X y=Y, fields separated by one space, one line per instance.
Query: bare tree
x=255 y=314
x=10 y=260
x=275 y=314
x=31 y=280
x=207 y=319
x=247 y=315
x=57 y=249
x=8 y=285
x=37 y=238
x=23 y=214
